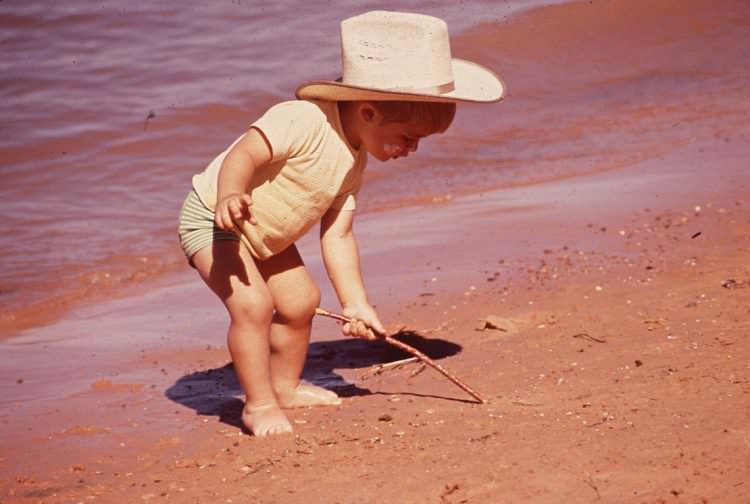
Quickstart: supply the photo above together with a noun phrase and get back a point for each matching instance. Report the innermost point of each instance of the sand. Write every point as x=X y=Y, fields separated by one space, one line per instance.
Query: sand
x=616 y=363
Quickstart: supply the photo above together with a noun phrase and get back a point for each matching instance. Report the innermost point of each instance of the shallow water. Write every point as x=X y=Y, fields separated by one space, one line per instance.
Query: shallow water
x=109 y=108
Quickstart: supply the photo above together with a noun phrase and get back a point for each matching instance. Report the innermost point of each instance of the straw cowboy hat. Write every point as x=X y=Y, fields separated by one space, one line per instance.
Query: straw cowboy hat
x=403 y=56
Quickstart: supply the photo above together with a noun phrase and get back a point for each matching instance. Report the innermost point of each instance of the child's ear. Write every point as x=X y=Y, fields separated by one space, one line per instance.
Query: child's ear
x=367 y=112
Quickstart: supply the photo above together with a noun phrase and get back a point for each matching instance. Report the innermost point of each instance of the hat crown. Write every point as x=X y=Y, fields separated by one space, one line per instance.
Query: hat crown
x=396 y=51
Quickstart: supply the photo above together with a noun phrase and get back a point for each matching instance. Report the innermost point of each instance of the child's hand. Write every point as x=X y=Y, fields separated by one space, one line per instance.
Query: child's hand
x=232 y=208
x=365 y=322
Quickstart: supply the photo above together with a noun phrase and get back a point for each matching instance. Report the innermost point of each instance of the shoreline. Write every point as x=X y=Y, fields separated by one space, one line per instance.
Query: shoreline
x=49 y=312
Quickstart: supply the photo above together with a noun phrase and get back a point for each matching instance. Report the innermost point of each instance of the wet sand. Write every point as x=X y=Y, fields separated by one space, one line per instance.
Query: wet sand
x=622 y=374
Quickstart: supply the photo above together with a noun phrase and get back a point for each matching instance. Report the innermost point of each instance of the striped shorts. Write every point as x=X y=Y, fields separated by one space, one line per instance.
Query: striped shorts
x=197 y=229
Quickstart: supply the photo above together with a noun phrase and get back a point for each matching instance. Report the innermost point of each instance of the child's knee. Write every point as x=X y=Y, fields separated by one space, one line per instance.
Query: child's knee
x=300 y=308
x=252 y=310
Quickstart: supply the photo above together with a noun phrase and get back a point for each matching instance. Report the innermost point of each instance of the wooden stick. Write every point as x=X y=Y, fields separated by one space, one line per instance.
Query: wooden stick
x=380 y=368
x=413 y=351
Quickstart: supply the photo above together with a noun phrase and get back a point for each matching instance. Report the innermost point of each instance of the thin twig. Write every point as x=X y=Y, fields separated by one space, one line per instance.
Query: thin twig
x=589 y=337
x=413 y=351
x=524 y=403
x=395 y=364
x=419 y=369
x=379 y=368
x=590 y=482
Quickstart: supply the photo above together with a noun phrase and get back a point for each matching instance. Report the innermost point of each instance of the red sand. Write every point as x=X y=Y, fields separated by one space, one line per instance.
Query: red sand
x=625 y=376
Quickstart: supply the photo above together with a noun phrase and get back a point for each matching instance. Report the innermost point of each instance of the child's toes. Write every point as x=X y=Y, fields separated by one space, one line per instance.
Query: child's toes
x=266 y=420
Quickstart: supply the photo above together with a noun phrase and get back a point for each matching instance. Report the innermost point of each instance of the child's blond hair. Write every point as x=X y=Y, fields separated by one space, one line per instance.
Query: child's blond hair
x=433 y=116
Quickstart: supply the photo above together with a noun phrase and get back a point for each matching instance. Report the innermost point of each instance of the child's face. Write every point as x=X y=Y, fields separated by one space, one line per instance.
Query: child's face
x=391 y=140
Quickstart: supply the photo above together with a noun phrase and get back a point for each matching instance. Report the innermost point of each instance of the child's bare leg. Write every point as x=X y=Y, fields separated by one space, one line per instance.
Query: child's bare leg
x=295 y=297
x=229 y=270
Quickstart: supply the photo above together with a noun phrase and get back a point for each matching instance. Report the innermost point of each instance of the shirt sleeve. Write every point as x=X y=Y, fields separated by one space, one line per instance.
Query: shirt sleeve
x=291 y=127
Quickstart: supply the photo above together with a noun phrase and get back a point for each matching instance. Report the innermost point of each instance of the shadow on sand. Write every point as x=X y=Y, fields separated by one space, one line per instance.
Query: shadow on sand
x=217 y=392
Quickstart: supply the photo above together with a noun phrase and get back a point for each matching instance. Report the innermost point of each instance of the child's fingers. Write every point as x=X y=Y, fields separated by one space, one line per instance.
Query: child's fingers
x=373 y=324
x=232 y=209
x=223 y=220
x=377 y=326
x=367 y=333
x=236 y=208
x=247 y=205
x=240 y=208
x=358 y=329
x=228 y=217
x=361 y=329
x=353 y=328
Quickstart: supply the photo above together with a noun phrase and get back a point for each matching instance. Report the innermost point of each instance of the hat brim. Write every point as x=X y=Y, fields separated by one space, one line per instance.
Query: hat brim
x=473 y=83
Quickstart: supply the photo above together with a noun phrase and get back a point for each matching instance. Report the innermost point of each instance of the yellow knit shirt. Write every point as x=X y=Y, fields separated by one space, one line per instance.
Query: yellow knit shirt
x=313 y=168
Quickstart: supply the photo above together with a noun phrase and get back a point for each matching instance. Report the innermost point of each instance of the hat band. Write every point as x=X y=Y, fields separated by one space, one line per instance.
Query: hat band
x=433 y=90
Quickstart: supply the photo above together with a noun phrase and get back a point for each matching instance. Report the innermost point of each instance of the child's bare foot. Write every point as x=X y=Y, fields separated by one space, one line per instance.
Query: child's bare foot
x=265 y=420
x=307 y=394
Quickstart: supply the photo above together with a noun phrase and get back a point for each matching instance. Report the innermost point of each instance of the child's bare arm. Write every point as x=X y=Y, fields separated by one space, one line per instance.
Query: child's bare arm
x=341 y=258
x=233 y=202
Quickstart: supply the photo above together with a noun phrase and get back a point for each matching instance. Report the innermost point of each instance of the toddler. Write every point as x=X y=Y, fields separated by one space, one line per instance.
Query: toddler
x=302 y=163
